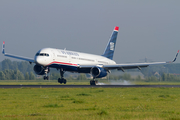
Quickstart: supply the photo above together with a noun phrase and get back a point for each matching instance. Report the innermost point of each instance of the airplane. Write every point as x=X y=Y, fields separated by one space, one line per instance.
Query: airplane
x=64 y=60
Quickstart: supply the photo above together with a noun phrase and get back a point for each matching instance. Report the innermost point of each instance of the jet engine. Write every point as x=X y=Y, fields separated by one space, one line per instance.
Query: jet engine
x=98 y=72
x=40 y=70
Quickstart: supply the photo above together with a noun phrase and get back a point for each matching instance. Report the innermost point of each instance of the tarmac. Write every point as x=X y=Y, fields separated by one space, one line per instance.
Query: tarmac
x=89 y=86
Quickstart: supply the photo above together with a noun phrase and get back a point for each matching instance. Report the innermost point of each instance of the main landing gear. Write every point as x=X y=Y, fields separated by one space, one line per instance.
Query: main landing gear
x=46 y=77
x=93 y=82
x=62 y=80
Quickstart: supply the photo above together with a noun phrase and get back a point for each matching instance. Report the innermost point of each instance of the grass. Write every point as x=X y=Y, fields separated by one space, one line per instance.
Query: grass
x=90 y=103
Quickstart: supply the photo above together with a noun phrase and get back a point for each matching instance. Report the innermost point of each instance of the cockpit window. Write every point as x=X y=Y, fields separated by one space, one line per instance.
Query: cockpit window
x=42 y=54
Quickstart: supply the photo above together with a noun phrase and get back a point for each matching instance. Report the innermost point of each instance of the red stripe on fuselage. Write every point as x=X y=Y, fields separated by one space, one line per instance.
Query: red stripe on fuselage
x=62 y=63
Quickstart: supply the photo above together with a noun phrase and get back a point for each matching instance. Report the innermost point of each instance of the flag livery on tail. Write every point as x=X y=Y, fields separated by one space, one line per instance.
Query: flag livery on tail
x=109 y=51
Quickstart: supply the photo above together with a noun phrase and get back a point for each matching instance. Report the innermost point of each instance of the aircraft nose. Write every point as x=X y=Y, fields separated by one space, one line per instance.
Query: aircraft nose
x=38 y=60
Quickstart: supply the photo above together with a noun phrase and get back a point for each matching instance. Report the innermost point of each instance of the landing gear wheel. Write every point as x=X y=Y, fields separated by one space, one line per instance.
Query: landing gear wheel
x=62 y=80
x=93 y=82
x=59 y=80
x=46 y=77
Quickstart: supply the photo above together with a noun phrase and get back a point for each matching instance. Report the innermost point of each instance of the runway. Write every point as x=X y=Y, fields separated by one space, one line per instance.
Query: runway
x=88 y=86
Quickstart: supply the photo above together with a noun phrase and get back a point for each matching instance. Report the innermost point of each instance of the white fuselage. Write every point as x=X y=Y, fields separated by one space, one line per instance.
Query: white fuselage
x=48 y=56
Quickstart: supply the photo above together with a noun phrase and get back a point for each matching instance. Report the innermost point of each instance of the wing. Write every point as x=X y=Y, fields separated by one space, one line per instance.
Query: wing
x=31 y=60
x=131 y=66
x=128 y=66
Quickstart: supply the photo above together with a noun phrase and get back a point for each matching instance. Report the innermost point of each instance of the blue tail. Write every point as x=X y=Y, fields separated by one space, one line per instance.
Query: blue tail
x=109 y=51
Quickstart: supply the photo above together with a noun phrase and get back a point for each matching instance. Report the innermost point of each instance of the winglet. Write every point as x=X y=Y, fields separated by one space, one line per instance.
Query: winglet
x=3 y=48
x=174 y=58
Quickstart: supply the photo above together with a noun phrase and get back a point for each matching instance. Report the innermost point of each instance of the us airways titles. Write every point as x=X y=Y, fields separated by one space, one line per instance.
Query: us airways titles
x=69 y=53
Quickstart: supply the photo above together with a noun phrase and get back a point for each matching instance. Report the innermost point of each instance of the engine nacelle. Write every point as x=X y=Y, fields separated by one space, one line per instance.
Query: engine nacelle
x=98 y=72
x=40 y=70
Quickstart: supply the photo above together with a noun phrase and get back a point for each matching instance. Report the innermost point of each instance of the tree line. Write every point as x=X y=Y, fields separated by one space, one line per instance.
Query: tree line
x=16 y=70
x=16 y=75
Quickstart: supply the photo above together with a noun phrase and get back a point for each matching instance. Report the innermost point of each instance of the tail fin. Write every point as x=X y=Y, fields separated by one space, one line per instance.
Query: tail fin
x=109 y=51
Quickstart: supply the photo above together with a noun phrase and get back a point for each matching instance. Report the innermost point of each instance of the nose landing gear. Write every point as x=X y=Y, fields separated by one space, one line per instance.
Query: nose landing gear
x=46 y=77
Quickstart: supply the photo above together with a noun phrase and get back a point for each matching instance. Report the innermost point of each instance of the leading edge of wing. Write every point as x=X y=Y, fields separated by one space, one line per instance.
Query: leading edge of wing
x=123 y=66
x=19 y=57
x=137 y=65
x=131 y=65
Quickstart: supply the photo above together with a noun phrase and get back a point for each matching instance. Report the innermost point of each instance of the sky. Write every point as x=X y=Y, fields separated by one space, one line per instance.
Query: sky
x=146 y=28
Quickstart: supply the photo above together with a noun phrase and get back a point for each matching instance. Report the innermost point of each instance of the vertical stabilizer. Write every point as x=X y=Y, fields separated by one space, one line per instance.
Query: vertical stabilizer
x=109 y=51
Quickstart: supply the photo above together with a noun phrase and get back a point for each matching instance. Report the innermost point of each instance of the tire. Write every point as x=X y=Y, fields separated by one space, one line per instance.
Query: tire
x=64 y=81
x=59 y=80
x=92 y=82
